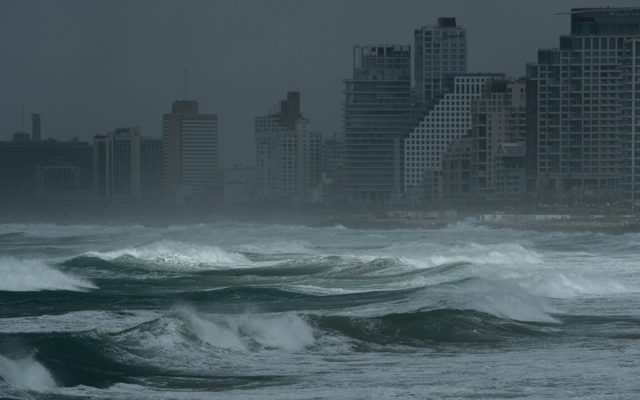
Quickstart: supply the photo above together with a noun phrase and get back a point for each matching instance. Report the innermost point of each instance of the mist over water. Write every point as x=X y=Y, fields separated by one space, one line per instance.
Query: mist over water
x=241 y=310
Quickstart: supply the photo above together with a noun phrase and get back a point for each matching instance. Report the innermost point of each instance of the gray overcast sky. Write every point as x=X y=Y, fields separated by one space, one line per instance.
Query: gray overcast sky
x=91 y=66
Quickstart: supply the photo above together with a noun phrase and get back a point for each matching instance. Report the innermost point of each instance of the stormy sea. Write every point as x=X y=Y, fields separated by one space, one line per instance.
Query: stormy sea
x=262 y=311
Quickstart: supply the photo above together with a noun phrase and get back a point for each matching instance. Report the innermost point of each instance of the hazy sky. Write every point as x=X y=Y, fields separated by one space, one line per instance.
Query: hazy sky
x=91 y=66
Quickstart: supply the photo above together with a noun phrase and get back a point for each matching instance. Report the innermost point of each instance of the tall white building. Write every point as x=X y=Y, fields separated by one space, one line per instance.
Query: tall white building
x=439 y=50
x=447 y=121
x=288 y=153
x=190 y=154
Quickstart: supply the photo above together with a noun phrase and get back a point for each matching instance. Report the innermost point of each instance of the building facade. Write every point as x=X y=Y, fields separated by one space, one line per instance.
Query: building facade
x=456 y=168
x=630 y=184
x=288 y=153
x=377 y=118
x=447 y=121
x=576 y=122
x=440 y=50
x=190 y=155
x=151 y=169
x=116 y=165
x=498 y=117
x=21 y=161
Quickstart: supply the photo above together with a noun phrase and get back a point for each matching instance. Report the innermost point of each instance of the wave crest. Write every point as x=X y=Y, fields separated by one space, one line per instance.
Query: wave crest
x=169 y=253
x=23 y=275
x=26 y=373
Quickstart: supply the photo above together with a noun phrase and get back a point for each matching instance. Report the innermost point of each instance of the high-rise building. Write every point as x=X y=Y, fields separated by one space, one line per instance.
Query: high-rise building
x=456 y=168
x=631 y=122
x=150 y=169
x=22 y=160
x=288 y=153
x=439 y=51
x=190 y=154
x=116 y=165
x=498 y=117
x=52 y=180
x=448 y=120
x=377 y=118
x=575 y=140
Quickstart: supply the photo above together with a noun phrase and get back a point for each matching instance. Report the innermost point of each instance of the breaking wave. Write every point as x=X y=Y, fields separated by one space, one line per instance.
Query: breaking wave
x=24 y=275
x=174 y=254
x=26 y=373
x=478 y=254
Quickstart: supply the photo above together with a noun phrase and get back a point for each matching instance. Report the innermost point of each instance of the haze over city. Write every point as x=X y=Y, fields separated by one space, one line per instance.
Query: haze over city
x=88 y=67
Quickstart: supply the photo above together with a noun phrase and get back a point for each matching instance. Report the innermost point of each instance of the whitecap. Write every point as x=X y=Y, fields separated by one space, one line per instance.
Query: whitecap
x=175 y=254
x=25 y=275
x=245 y=332
x=26 y=373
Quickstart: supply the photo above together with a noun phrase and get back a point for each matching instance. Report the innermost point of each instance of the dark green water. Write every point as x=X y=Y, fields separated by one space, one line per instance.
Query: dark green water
x=267 y=311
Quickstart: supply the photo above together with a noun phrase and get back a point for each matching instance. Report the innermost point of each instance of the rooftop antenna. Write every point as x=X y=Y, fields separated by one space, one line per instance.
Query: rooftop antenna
x=22 y=118
x=185 y=84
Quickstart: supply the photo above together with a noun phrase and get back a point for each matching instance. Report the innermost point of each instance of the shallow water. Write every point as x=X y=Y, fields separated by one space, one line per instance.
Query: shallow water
x=267 y=311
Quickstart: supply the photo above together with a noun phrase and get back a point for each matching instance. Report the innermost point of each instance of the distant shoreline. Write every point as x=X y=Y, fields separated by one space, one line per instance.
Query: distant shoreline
x=349 y=218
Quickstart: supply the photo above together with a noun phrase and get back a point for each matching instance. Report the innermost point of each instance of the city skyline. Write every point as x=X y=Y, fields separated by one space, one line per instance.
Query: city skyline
x=124 y=71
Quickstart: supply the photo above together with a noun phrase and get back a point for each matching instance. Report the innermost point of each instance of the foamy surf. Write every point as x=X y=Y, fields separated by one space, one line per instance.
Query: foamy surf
x=26 y=373
x=177 y=255
x=250 y=331
x=26 y=275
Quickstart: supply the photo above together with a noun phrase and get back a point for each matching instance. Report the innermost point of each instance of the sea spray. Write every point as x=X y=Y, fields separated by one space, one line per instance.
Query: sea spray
x=26 y=373
x=249 y=331
x=176 y=255
x=24 y=275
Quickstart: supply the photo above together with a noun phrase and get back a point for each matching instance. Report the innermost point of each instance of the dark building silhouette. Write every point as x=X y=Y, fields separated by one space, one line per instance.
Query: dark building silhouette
x=36 y=133
x=377 y=117
x=21 y=160
x=190 y=155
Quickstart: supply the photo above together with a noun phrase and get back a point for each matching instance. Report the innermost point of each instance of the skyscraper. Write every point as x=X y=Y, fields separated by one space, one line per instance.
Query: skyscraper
x=575 y=129
x=377 y=118
x=288 y=153
x=439 y=50
x=448 y=120
x=151 y=169
x=190 y=154
x=631 y=122
x=116 y=165
x=497 y=118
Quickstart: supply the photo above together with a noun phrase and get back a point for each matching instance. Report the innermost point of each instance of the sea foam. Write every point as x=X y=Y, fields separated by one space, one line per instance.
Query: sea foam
x=175 y=254
x=26 y=373
x=25 y=275
x=249 y=331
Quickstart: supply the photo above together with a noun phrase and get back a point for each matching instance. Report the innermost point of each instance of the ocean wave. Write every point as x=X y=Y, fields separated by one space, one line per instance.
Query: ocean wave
x=26 y=373
x=249 y=331
x=477 y=254
x=58 y=231
x=501 y=298
x=277 y=247
x=78 y=321
x=422 y=328
x=239 y=333
x=571 y=285
x=25 y=275
x=173 y=254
